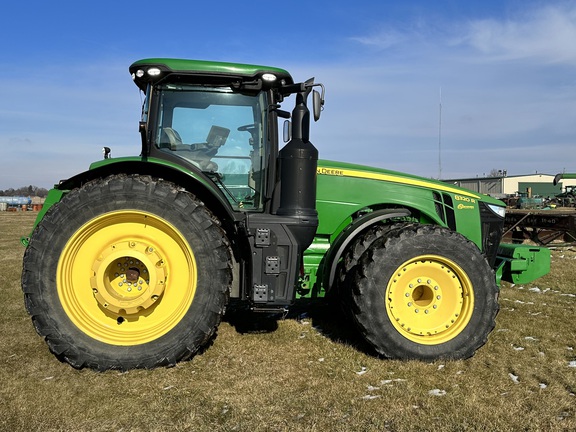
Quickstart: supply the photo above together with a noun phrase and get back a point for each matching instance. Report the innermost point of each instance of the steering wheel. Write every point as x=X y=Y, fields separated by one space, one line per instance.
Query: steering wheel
x=247 y=128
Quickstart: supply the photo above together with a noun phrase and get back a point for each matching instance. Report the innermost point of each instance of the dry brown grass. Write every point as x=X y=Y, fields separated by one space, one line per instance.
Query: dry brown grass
x=301 y=377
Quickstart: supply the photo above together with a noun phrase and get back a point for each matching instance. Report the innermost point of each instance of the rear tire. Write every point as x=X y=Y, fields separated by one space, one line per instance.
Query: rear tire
x=419 y=292
x=127 y=272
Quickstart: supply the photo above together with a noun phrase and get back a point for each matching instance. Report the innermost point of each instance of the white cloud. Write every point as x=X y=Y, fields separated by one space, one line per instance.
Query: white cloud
x=547 y=34
x=382 y=40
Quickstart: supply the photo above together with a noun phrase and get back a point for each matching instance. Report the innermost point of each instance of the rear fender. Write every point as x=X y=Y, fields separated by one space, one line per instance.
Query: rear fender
x=191 y=179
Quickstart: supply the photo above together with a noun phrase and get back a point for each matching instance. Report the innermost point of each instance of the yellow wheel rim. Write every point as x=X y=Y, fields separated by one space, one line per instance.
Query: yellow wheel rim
x=126 y=277
x=430 y=299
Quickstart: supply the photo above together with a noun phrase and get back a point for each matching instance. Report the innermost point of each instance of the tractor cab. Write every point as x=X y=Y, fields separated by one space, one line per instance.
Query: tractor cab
x=217 y=118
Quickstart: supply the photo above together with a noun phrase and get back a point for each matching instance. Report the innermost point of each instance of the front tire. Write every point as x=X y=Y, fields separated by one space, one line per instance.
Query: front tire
x=127 y=272
x=420 y=292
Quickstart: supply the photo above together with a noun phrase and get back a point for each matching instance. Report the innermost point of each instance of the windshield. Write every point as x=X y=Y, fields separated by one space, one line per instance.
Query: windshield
x=220 y=132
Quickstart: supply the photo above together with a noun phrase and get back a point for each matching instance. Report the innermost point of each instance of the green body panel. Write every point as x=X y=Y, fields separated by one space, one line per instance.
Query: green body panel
x=344 y=189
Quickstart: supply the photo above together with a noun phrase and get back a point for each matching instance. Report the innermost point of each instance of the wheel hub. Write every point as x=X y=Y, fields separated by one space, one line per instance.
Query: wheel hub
x=129 y=277
x=428 y=301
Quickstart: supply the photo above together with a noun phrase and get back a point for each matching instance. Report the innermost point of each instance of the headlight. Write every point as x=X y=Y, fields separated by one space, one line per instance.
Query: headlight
x=500 y=211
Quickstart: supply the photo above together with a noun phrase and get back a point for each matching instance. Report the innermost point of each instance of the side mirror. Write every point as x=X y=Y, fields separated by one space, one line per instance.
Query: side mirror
x=318 y=103
x=287 y=131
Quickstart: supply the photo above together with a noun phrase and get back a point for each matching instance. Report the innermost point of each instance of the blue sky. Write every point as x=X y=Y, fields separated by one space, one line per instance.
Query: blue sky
x=504 y=72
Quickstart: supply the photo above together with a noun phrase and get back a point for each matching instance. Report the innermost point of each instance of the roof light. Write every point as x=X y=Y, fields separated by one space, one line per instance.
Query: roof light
x=269 y=77
x=139 y=73
x=154 y=71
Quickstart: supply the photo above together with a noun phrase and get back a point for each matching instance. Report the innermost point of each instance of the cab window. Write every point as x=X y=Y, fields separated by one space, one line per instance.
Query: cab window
x=220 y=132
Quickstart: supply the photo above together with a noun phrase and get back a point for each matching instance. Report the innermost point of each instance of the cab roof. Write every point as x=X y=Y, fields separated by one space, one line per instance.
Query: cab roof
x=158 y=69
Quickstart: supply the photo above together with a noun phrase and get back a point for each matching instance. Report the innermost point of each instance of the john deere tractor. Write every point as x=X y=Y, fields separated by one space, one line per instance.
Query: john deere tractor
x=132 y=263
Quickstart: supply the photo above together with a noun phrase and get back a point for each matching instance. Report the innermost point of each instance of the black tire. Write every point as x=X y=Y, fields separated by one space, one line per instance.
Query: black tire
x=127 y=272
x=419 y=292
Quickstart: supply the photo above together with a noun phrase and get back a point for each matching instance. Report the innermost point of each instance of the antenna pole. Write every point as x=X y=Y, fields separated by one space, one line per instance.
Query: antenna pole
x=440 y=137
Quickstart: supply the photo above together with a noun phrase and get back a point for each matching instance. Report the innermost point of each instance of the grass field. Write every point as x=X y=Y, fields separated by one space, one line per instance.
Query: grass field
x=302 y=377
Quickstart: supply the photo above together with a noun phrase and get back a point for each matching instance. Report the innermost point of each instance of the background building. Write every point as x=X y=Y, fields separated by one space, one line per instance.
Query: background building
x=502 y=186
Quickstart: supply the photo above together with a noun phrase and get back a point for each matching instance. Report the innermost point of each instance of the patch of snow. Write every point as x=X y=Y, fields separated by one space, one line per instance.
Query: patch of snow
x=437 y=392
x=362 y=371
x=542 y=385
x=519 y=348
x=572 y=364
x=370 y=397
x=535 y=289
x=530 y=338
x=440 y=367
x=372 y=388
x=390 y=381
x=513 y=378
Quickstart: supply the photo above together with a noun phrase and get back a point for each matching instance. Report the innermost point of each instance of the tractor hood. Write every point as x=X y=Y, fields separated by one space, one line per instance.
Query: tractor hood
x=343 y=169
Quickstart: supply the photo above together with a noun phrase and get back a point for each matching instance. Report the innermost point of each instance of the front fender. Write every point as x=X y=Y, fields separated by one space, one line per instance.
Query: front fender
x=339 y=246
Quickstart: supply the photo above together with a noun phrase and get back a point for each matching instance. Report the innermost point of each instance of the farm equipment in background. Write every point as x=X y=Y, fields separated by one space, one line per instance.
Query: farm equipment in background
x=553 y=221
x=132 y=263
x=566 y=198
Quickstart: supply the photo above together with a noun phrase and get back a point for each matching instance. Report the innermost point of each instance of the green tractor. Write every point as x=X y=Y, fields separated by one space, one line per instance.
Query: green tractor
x=133 y=263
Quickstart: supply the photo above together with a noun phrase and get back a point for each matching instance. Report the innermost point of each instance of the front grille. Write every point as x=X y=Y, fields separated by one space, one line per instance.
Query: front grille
x=492 y=226
x=445 y=209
